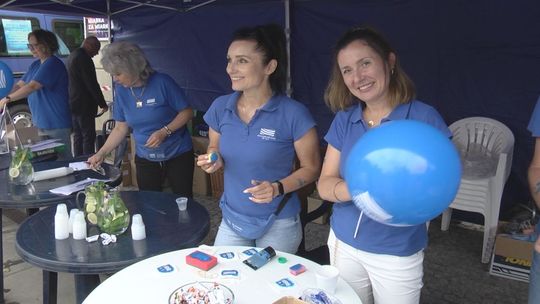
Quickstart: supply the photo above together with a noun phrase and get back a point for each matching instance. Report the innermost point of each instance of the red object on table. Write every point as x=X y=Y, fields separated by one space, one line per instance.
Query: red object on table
x=201 y=260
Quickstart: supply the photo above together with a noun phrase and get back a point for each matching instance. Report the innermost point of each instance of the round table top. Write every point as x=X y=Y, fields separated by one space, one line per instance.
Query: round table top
x=37 y=194
x=148 y=282
x=167 y=229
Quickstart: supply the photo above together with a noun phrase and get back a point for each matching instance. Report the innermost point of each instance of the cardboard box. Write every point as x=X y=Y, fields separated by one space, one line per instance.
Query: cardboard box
x=126 y=174
x=27 y=135
x=201 y=180
x=512 y=258
x=200 y=144
x=131 y=148
x=216 y=181
x=314 y=202
x=289 y=300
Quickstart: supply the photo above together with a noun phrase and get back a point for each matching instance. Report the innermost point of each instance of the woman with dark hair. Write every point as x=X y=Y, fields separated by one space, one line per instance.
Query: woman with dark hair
x=256 y=132
x=155 y=107
x=368 y=87
x=46 y=86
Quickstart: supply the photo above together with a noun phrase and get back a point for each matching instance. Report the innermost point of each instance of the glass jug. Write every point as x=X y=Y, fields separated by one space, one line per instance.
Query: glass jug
x=104 y=207
x=112 y=215
x=93 y=198
x=21 y=171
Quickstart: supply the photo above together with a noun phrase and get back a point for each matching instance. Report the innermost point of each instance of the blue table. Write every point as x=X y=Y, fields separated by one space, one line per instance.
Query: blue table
x=167 y=229
x=36 y=194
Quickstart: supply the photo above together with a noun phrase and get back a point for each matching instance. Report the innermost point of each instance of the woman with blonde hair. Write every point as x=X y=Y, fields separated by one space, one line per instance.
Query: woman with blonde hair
x=367 y=88
x=155 y=107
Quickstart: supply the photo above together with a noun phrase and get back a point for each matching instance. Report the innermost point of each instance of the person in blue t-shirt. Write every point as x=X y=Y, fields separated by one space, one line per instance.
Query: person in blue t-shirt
x=46 y=86
x=155 y=107
x=368 y=87
x=534 y=185
x=256 y=132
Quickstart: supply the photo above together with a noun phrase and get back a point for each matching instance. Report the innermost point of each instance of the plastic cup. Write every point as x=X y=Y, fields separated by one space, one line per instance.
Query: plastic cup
x=327 y=277
x=182 y=203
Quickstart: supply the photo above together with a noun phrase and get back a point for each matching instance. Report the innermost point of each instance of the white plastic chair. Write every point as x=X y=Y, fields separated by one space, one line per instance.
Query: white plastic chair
x=486 y=147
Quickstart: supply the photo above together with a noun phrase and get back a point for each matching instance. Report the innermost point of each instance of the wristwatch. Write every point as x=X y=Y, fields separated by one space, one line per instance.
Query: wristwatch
x=280 y=187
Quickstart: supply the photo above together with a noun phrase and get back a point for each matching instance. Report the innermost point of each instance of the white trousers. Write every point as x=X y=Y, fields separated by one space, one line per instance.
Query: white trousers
x=378 y=278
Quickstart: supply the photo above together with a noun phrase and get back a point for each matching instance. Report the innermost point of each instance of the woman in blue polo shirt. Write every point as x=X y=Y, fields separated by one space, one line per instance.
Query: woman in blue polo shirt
x=257 y=131
x=368 y=87
x=46 y=86
x=534 y=183
x=155 y=107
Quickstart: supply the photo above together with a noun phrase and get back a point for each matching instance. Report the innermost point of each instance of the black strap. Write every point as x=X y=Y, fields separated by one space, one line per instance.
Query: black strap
x=284 y=200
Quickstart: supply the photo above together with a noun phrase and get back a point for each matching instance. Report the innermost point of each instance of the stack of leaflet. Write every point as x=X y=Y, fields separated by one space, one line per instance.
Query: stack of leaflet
x=46 y=148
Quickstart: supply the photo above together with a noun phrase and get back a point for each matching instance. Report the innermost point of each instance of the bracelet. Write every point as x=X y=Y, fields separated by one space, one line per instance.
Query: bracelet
x=169 y=132
x=281 y=191
x=335 y=194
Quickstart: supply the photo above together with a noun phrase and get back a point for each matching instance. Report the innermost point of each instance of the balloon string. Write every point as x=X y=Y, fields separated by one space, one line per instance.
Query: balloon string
x=358 y=223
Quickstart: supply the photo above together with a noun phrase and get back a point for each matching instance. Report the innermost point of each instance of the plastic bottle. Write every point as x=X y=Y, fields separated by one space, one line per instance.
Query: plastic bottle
x=79 y=226
x=61 y=222
x=138 y=231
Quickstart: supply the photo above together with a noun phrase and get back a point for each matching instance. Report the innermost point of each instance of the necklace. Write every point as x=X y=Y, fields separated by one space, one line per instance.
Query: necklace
x=138 y=100
x=373 y=122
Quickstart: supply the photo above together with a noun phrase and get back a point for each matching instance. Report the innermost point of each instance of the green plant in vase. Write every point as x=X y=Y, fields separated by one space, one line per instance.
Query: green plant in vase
x=21 y=171
x=113 y=216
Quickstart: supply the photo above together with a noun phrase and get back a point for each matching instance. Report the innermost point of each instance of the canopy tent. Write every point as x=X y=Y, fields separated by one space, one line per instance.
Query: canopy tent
x=467 y=58
x=103 y=7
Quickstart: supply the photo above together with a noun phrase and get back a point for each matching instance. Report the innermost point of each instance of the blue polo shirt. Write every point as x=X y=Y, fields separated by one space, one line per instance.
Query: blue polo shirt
x=162 y=99
x=534 y=127
x=348 y=126
x=261 y=150
x=534 y=123
x=50 y=104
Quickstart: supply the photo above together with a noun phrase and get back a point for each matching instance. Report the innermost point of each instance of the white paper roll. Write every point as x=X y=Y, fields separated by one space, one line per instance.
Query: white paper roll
x=52 y=173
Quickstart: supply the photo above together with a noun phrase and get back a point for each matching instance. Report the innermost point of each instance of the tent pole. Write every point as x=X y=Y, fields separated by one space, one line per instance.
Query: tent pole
x=110 y=41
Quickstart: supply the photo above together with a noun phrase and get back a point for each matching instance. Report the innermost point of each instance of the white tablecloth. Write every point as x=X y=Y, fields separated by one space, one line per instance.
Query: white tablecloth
x=142 y=282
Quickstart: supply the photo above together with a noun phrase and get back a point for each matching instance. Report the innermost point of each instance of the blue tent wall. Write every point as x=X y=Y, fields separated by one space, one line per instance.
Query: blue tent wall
x=192 y=46
x=467 y=58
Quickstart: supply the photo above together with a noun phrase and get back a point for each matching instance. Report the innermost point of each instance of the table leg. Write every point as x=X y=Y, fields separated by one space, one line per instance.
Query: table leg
x=84 y=284
x=50 y=287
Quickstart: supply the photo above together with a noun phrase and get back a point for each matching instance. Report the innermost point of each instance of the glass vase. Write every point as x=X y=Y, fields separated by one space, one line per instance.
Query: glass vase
x=21 y=171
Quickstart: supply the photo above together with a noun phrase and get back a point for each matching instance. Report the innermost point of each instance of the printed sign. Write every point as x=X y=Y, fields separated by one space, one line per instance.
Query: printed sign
x=98 y=27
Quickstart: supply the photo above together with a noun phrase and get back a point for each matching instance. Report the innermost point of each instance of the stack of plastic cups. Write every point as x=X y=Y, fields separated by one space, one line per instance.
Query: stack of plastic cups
x=61 y=222
x=138 y=231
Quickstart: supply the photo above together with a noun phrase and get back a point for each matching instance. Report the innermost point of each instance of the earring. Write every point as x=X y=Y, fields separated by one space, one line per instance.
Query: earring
x=392 y=71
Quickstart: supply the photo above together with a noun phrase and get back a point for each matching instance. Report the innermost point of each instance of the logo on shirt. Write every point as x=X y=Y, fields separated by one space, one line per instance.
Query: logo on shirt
x=267 y=134
x=150 y=101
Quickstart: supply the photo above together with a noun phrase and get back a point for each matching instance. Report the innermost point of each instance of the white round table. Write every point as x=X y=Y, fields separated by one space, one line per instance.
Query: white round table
x=143 y=282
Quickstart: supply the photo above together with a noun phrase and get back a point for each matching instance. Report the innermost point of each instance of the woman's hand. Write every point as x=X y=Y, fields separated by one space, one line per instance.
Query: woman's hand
x=4 y=101
x=262 y=192
x=156 y=138
x=95 y=160
x=207 y=164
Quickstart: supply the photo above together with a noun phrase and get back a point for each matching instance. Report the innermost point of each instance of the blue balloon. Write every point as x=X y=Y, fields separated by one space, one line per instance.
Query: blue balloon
x=403 y=173
x=6 y=79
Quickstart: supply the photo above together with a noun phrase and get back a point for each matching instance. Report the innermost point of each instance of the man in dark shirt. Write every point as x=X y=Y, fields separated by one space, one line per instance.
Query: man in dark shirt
x=84 y=96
